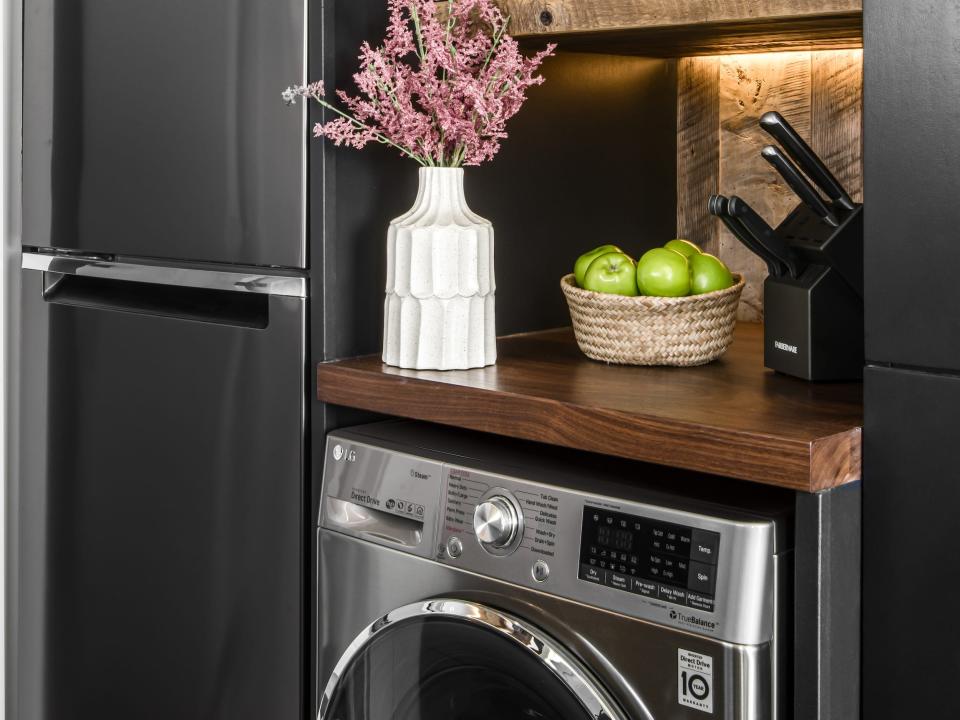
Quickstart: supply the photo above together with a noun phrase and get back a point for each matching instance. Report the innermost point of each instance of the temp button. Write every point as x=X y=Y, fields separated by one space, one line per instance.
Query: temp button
x=704 y=546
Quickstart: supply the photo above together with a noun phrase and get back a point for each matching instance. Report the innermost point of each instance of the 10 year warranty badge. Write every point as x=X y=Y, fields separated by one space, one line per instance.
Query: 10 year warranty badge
x=695 y=678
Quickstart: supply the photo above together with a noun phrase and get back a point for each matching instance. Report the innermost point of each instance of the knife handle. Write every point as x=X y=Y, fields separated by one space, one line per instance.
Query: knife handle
x=804 y=190
x=719 y=206
x=776 y=125
x=763 y=233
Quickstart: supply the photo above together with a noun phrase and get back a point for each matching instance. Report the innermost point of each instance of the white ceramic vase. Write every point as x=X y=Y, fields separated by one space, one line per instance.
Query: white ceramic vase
x=439 y=309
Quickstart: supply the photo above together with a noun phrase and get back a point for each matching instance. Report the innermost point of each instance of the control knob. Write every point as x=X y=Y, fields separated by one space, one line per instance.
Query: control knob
x=496 y=522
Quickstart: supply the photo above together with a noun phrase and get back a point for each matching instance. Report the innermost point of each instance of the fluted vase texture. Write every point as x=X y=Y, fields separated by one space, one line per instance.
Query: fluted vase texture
x=439 y=308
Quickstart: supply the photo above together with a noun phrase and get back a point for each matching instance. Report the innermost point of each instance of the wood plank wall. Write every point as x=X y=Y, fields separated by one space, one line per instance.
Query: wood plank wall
x=720 y=100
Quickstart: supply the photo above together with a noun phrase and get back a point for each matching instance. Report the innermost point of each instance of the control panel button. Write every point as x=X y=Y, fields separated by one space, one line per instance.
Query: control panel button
x=540 y=571
x=673 y=595
x=704 y=546
x=702 y=578
x=593 y=574
x=699 y=602
x=454 y=547
x=645 y=588
x=618 y=581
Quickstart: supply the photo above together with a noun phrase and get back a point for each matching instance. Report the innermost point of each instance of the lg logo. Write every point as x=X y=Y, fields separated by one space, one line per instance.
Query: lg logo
x=339 y=453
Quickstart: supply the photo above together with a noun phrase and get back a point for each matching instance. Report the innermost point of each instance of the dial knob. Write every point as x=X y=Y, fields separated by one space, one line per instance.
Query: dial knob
x=495 y=522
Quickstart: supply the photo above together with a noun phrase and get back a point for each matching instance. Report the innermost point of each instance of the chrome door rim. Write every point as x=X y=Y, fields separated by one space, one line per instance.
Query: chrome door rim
x=563 y=666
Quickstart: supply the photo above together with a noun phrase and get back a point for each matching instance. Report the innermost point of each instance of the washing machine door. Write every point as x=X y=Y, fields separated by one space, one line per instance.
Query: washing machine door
x=454 y=660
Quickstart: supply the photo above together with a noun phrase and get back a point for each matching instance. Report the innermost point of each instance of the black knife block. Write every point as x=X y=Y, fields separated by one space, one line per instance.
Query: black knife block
x=813 y=324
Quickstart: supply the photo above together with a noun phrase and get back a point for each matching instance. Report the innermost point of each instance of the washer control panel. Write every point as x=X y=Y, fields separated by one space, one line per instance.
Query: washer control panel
x=649 y=557
x=501 y=520
x=498 y=522
x=711 y=573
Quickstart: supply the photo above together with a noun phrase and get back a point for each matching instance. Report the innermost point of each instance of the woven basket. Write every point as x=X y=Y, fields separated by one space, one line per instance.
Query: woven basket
x=682 y=332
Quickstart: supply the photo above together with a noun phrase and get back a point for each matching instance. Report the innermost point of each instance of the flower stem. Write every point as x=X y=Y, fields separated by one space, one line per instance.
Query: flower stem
x=421 y=50
x=497 y=37
x=381 y=138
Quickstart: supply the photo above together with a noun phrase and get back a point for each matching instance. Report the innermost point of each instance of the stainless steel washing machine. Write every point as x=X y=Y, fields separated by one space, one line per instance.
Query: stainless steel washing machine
x=462 y=578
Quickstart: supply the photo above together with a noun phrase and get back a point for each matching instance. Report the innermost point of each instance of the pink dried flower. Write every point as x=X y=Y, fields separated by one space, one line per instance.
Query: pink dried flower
x=441 y=92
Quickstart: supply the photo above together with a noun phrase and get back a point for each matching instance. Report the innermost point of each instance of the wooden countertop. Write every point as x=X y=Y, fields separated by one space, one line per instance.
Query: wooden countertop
x=730 y=418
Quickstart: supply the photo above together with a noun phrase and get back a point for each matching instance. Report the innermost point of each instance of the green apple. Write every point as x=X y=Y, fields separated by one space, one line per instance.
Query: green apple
x=708 y=274
x=663 y=273
x=684 y=247
x=583 y=262
x=614 y=273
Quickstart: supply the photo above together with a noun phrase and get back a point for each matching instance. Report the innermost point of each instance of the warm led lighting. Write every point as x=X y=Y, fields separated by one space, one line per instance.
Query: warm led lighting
x=852 y=55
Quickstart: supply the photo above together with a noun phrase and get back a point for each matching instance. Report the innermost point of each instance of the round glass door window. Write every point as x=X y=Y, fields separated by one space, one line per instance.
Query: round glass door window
x=452 y=660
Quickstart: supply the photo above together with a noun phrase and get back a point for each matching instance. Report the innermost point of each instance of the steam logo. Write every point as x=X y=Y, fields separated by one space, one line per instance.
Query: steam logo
x=338 y=452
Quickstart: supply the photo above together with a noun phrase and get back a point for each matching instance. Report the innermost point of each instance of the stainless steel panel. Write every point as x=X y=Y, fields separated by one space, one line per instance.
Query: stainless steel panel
x=231 y=280
x=636 y=662
x=157 y=129
x=158 y=495
x=11 y=25
x=392 y=484
x=745 y=590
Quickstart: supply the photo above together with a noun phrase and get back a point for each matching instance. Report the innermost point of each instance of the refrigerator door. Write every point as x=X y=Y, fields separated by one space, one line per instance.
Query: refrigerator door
x=157 y=129
x=910 y=500
x=157 y=506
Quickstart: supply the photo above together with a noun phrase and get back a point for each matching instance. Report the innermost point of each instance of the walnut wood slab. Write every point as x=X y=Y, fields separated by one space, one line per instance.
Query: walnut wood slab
x=730 y=418
x=688 y=27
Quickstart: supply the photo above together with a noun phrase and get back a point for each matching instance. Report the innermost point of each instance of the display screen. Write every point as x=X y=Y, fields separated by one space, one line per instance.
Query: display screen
x=614 y=539
x=675 y=563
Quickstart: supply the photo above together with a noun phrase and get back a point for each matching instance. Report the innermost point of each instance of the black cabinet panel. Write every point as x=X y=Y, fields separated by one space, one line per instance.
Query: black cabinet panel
x=911 y=495
x=157 y=128
x=912 y=141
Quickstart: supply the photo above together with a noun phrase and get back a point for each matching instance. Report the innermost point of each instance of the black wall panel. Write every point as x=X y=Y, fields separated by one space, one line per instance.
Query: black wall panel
x=912 y=143
x=911 y=574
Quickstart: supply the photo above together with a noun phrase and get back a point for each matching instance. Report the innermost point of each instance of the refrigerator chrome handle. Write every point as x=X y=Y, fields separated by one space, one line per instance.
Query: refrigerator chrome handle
x=246 y=282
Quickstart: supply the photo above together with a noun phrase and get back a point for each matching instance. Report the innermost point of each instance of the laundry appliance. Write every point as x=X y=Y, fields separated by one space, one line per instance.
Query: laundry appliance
x=465 y=577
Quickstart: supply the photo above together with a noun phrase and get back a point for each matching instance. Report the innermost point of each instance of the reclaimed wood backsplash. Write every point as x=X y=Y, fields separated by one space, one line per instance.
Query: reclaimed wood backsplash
x=720 y=101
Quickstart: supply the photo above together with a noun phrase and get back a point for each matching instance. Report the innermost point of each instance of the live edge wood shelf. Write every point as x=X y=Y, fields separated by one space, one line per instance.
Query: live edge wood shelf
x=688 y=27
x=730 y=418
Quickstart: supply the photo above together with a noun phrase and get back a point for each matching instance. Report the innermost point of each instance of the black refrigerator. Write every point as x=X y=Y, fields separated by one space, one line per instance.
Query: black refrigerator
x=911 y=486
x=156 y=562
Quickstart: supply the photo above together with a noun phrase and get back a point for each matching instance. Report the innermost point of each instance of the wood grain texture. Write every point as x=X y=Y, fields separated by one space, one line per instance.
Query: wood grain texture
x=836 y=115
x=559 y=16
x=698 y=149
x=750 y=85
x=820 y=93
x=815 y=33
x=730 y=418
